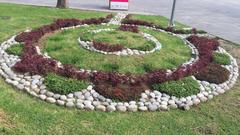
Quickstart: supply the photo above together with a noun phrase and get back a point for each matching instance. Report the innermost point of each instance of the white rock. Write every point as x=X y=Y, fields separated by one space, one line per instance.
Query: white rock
x=90 y=87
x=203 y=99
x=152 y=107
x=101 y=108
x=144 y=95
x=143 y=108
x=220 y=91
x=200 y=95
x=49 y=94
x=43 y=97
x=111 y=108
x=86 y=102
x=20 y=86
x=132 y=102
x=196 y=101
x=174 y=106
x=70 y=104
x=186 y=107
x=89 y=107
x=50 y=100
x=183 y=99
x=63 y=97
x=210 y=96
x=60 y=102
x=121 y=108
x=132 y=108
x=56 y=96
x=152 y=95
x=171 y=102
x=79 y=105
x=70 y=95
x=96 y=103
x=163 y=107
x=164 y=103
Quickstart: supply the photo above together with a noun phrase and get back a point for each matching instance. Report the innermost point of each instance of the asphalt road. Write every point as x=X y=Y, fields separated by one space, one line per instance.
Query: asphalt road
x=218 y=17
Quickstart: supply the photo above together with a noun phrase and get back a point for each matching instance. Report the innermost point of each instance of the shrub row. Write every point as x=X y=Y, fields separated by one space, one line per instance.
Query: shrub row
x=130 y=21
x=106 y=47
x=130 y=28
x=36 y=34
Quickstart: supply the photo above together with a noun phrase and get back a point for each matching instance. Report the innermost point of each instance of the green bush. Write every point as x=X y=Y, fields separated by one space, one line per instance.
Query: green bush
x=63 y=85
x=15 y=49
x=221 y=58
x=181 y=88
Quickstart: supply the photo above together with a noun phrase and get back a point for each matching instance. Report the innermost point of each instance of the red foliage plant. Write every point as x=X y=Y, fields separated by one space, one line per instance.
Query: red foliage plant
x=130 y=28
x=36 y=34
x=130 y=21
x=36 y=64
x=107 y=47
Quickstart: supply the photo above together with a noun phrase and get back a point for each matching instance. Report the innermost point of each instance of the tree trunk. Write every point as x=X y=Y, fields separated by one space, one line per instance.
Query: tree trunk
x=61 y=3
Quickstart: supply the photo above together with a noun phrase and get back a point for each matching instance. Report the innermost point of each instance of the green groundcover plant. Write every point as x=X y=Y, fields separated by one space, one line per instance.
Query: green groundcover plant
x=221 y=58
x=15 y=49
x=181 y=88
x=62 y=85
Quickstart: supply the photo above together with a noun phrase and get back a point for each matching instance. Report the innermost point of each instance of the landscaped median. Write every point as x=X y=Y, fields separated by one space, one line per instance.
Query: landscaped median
x=116 y=63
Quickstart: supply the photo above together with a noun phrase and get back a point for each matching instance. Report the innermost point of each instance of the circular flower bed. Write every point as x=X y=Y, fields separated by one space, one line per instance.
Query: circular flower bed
x=111 y=91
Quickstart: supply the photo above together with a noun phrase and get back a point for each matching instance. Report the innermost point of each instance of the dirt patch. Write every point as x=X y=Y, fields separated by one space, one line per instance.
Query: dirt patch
x=121 y=92
x=232 y=48
x=4 y=120
x=86 y=123
x=208 y=129
x=42 y=42
x=5 y=17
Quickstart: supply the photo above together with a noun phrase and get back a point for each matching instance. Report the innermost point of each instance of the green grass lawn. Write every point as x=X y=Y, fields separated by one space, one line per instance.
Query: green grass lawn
x=21 y=114
x=67 y=50
x=127 y=39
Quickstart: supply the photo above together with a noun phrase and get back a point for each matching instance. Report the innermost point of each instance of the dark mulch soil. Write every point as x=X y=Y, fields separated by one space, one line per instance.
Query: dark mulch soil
x=213 y=73
x=121 y=92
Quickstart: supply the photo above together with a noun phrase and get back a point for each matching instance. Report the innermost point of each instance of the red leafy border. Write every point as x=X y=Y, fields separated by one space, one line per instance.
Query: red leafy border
x=106 y=47
x=129 y=21
x=130 y=28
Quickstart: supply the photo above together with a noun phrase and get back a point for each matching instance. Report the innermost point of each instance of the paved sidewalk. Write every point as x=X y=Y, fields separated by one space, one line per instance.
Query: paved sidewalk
x=221 y=17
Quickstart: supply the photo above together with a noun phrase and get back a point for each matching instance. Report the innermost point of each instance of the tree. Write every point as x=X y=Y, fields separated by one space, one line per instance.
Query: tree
x=62 y=4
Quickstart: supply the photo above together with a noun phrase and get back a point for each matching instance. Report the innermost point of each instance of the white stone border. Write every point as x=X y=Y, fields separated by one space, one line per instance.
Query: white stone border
x=89 y=44
x=89 y=99
x=118 y=18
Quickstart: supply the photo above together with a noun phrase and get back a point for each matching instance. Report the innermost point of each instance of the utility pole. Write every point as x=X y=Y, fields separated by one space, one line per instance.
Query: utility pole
x=171 y=22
